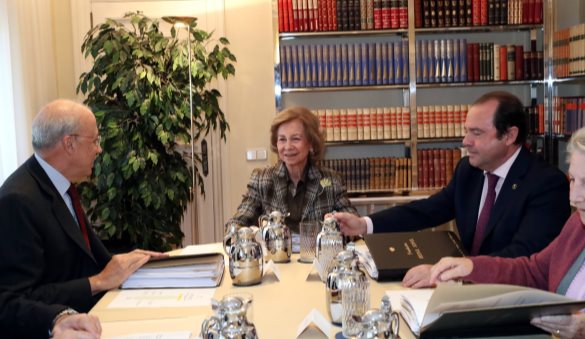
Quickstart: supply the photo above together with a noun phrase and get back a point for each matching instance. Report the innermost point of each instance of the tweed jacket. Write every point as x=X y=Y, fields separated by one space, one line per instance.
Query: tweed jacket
x=268 y=188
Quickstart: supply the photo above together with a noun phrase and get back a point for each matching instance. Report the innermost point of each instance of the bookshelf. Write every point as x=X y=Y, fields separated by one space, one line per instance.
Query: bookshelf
x=406 y=88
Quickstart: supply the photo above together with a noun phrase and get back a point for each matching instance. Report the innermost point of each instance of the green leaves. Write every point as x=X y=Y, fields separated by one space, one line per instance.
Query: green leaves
x=138 y=88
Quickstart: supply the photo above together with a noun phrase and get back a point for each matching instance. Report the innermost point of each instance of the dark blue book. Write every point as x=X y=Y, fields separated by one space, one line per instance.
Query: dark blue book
x=379 y=63
x=437 y=60
x=294 y=65
x=308 y=67
x=431 y=59
x=390 y=63
x=350 y=65
x=319 y=64
x=449 y=62
x=456 y=60
x=397 y=62
x=344 y=66
x=283 y=67
x=314 y=66
x=332 y=66
x=325 y=66
x=405 y=67
x=301 y=65
x=463 y=60
x=357 y=65
x=364 y=64
x=384 y=62
x=338 y=66
x=372 y=63
x=418 y=61
x=424 y=58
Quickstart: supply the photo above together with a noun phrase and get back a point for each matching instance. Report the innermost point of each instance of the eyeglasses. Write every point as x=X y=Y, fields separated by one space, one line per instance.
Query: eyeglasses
x=96 y=140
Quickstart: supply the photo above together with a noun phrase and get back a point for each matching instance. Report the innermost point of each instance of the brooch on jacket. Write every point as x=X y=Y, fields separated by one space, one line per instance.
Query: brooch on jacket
x=325 y=182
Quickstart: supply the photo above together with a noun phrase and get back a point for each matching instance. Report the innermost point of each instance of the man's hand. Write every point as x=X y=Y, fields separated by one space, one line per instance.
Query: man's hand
x=119 y=268
x=449 y=268
x=77 y=326
x=350 y=224
x=562 y=326
x=418 y=277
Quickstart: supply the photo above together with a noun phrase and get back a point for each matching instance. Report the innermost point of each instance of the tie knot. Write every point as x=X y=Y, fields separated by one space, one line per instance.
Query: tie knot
x=492 y=179
x=72 y=191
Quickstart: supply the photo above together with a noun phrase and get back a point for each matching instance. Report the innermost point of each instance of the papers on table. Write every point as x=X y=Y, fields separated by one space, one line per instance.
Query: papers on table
x=163 y=298
x=201 y=270
x=411 y=304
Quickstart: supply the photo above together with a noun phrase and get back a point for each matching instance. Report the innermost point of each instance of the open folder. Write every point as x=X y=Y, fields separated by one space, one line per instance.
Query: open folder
x=481 y=310
x=183 y=271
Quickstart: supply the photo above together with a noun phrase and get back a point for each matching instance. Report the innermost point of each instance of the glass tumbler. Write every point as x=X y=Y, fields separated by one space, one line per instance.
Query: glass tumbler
x=308 y=231
x=355 y=301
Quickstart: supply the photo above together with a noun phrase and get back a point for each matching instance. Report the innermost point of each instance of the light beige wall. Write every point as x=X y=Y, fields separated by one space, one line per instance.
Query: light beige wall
x=63 y=48
x=250 y=93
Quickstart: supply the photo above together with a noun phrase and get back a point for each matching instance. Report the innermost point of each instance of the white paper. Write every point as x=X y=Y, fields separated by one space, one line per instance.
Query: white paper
x=163 y=298
x=271 y=266
x=418 y=299
x=157 y=335
x=216 y=247
x=314 y=317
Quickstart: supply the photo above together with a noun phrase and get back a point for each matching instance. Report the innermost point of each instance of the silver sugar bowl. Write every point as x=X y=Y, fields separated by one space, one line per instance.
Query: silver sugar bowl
x=329 y=243
x=229 y=321
x=345 y=273
x=245 y=259
x=276 y=236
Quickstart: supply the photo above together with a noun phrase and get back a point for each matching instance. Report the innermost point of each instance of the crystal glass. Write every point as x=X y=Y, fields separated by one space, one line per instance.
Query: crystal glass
x=309 y=231
x=355 y=301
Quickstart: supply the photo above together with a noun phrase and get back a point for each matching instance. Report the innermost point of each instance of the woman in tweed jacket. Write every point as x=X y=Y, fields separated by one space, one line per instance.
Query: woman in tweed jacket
x=296 y=184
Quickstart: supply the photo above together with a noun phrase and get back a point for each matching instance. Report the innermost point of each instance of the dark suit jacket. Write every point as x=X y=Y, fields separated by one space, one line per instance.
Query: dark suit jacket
x=528 y=214
x=23 y=318
x=43 y=255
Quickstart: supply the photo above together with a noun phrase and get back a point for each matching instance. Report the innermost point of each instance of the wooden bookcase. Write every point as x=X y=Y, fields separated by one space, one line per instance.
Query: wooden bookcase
x=413 y=94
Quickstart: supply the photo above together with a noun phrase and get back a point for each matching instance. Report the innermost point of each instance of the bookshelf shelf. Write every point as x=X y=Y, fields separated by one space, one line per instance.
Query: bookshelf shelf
x=366 y=142
x=475 y=29
x=440 y=140
x=568 y=80
x=343 y=88
x=342 y=34
x=482 y=83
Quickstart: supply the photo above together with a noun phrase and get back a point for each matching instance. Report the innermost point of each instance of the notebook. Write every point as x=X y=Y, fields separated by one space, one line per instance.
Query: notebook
x=395 y=253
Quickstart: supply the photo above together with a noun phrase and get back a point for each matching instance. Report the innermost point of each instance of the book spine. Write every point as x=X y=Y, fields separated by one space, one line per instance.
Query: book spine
x=511 y=63
x=519 y=62
x=352 y=134
x=503 y=63
x=343 y=125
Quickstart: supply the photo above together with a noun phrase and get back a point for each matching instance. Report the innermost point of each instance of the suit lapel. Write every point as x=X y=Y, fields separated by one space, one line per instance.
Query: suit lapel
x=59 y=208
x=280 y=186
x=313 y=178
x=509 y=191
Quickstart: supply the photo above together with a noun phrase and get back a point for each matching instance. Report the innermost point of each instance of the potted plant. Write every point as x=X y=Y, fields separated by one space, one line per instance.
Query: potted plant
x=138 y=89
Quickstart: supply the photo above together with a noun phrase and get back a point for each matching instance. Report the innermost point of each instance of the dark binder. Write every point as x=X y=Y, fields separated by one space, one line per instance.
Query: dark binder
x=395 y=253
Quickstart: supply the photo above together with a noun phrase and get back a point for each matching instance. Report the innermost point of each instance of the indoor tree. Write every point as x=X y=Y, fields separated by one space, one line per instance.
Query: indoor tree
x=138 y=88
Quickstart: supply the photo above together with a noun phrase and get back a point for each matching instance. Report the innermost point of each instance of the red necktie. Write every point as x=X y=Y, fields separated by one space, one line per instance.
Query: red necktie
x=72 y=191
x=484 y=216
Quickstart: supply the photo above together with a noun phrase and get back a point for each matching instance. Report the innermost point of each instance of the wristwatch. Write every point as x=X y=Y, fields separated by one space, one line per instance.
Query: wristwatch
x=67 y=311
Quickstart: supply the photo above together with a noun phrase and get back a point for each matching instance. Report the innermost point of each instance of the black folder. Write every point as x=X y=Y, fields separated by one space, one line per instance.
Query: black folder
x=395 y=253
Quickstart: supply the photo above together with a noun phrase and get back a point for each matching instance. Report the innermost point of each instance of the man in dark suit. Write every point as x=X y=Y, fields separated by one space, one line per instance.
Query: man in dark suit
x=49 y=252
x=25 y=318
x=531 y=197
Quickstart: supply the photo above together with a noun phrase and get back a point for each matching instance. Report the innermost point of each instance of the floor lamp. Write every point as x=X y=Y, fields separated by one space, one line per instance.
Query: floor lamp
x=180 y=22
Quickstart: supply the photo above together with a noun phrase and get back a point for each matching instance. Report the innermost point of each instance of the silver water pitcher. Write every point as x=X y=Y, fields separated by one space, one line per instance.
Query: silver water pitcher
x=230 y=237
x=380 y=323
x=245 y=259
x=229 y=321
x=345 y=273
x=276 y=237
x=329 y=243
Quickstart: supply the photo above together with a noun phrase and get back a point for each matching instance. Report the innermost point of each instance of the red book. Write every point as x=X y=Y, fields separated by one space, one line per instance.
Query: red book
x=332 y=15
x=392 y=14
x=503 y=63
x=295 y=14
x=519 y=62
x=443 y=167
x=417 y=17
x=378 y=14
x=484 y=12
x=476 y=73
x=470 y=68
x=531 y=11
x=437 y=167
x=537 y=12
x=476 y=12
x=403 y=14
x=419 y=156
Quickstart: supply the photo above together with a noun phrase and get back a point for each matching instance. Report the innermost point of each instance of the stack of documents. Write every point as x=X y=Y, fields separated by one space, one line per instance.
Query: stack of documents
x=183 y=271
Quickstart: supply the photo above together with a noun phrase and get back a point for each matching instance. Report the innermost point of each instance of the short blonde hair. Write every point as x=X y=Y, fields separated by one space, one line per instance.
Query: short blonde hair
x=310 y=123
x=577 y=143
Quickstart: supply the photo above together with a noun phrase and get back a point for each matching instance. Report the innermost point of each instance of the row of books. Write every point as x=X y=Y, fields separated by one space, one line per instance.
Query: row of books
x=535 y=119
x=461 y=13
x=341 y=15
x=441 y=121
x=352 y=124
x=568 y=114
x=436 y=166
x=373 y=174
x=455 y=60
x=569 y=51
x=335 y=65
